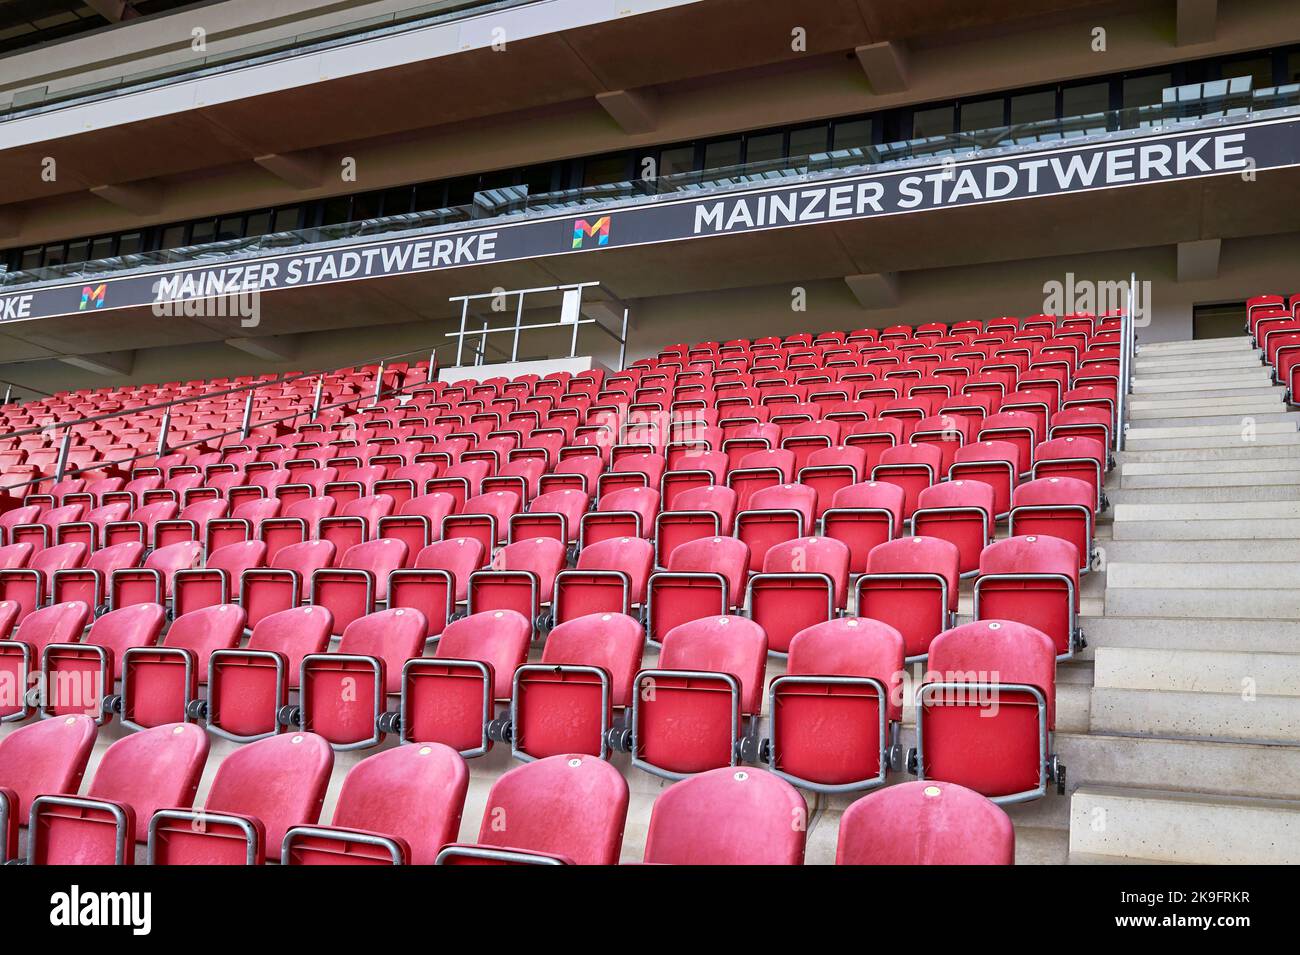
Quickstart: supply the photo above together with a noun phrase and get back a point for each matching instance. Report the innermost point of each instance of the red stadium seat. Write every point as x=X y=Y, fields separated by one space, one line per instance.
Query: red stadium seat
x=20 y=657
x=351 y=590
x=728 y=816
x=563 y=810
x=30 y=586
x=630 y=512
x=1056 y=507
x=862 y=516
x=610 y=577
x=960 y=512
x=449 y=698
x=705 y=577
x=555 y=514
x=77 y=675
x=521 y=578
x=1033 y=580
x=154 y=582
x=701 y=512
x=698 y=707
x=567 y=703
x=986 y=713
x=925 y=823
x=397 y=807
x=913 y=467
x=438 y=582
x=220 y=578
x=995 y=463
x=419 y=522
x=803 y=582
x=285 y=584
x=828 y=470
x=835 y=713
x=775 y=514
x=1074 y=457
x=911 y=584
x=46 y=758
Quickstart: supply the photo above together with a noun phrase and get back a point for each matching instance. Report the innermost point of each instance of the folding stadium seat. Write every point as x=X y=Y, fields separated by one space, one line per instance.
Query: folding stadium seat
x=15 y=555
x=911 y=584
x=699 y=708
x=577 y=472
x=78 y=675
x=243 y=524
x=46 y=758
x=351 y=589
x=30 y=586
x=1034 y=580
x=286 y=582
x=1018 y=428
x=693 y=471
x=343 y=696
x=449 y=698
x=862 y=516
x=355 y=522
x=728 y=816
x=17 y=517
x=829 y=469
x=438 y=581
x=835 y=714
x=1091 y=423
x=159 y=683
x=567 y=703
x=760 y=470
x=610 y=577
x=137 y=776
x=1074 y=457
x=258 y=794
x=986 y=713
x=298 y=522
x=925 y=823
x=555 y=514
x=567 y=809
x=961 y=512
x=484 y=518
x=913 y=467
x=1057 y=507
x=630 y=512
x=20 y=657
x=219 y=580
x=248 y=689
x=397 y=807
x=521 y=577
x=90 y=529
x=154 y=581
x=995 y=463
x=419 y=522
x=41 y=533
x=89 y=583
x=775 y=514
x=803 y=582
x=704 y=577
x=701 y=512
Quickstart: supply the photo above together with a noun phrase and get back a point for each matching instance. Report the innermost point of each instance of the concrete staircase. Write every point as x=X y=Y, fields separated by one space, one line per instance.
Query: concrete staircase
x=1196 y=659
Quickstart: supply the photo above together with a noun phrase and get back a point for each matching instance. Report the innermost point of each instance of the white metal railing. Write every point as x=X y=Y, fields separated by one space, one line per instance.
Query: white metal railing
x=1127 y=351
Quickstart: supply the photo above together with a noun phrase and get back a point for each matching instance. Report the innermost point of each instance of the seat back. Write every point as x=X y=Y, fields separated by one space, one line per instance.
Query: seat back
x=925 y=823
x=48 y=757
x=158 y=768
x=611 y=641
x=852 y=646
x=714 y=555
x=569 y=805
x=496 y=637
x=394 y=636
x=728 y=816
x=459 y=556
x=721 y=644
x=60 y=623
x=138 y=625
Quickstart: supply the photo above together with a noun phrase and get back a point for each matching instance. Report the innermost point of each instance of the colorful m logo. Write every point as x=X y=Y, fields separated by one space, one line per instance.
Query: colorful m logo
x=598 y=229
x=95 y=295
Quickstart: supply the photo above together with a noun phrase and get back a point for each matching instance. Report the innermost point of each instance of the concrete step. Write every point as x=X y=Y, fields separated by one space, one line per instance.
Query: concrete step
x=1211 y=551
x=1277 y=413
x=1233 y=453
x=1218 y=361
x=1205 y=494
x=1191 y=373
x=1191 y=828
x=1200 y=404
x=1200 y=346
x=1250 y=591
x=1234 y=431
x=1198 y=671
x=1228 y=634
x=1256 y=375
x=1250 y=470
x=1260 y=387
x=1232 y=521
x=1233 y=436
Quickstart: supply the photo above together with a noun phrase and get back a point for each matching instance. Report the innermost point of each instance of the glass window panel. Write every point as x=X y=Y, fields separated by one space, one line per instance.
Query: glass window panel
x=102 y=247
x=31 y=259
x=677 y=160
x=78 y=250
x=287 y=219
x=984 y=114
x=202 y=232
x=852 y=134
x=932 y=122
x=54 y=254
x=726 y=152
x=335 y=210
x=231 y=227
x=540 y=179
x=366 y=206
x=603 y=170
x=259 y=223
x=1085 y=100
x=130 y=243
x=1145 y=90
x=809 y=140
x=764 y=147
x=430 y=195
x=173 y=237
x=397 y=202
x=1033 y=107
x=1258 y=68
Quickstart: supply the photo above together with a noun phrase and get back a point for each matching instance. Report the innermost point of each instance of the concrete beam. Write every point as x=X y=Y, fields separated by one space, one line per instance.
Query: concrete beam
x=885 y=64
x=302 y=170
x=1199 y=261
x=142 y=198
x=106 y=363
x=877 y=290
x=11 y=221
x=1197 y=20
x=269 y=348
x=635 y=111
x=114 y=11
